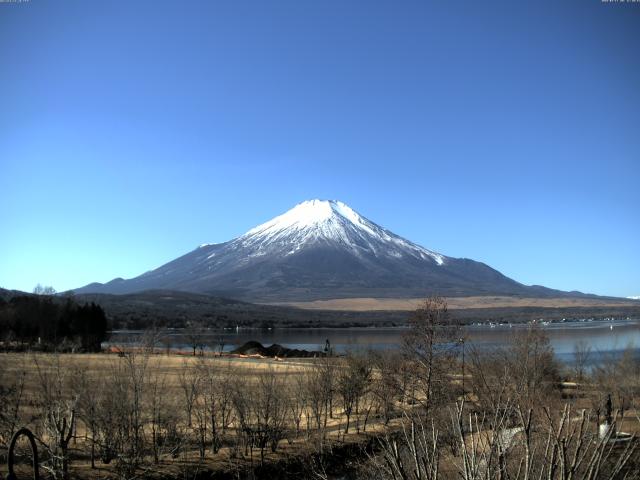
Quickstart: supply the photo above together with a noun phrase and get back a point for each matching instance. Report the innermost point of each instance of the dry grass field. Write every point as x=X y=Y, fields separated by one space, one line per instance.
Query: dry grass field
x=456 y=303
x=182 y=376
x=148 y=414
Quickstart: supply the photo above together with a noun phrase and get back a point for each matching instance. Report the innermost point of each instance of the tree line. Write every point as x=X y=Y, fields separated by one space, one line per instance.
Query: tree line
x=47 y=322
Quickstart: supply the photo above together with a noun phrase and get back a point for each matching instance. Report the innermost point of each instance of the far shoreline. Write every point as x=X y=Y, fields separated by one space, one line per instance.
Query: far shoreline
x=586 y=322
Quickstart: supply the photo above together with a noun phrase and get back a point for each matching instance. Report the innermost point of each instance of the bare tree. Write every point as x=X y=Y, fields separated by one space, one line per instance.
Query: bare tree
x=386 y=386
x=150 y=339
x=44 y=290
x=225 y=390
x=219 y=344
x=202 y=412
x=261 y=412
x=123 y=414
x=242 y=393
x=413 y=453
x=189 y=379
x=136 y=370
x=271 y=411
x=319 y=392
x=87 y=391
x=552 y=447
x=12 y=400
x=620 y=378
x=353 y=381
x=491 y=380
x=57 y=415
x=525 y=370
x=581 y=355
x=428 y=348
x=158 y=410
x=297 y=400
x=535 y=371
x=194 y=334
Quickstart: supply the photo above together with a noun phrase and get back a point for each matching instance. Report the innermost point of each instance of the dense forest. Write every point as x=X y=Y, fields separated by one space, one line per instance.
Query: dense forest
x=48 y=322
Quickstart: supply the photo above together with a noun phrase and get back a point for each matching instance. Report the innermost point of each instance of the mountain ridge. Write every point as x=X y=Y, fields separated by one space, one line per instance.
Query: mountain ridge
x=321 y=249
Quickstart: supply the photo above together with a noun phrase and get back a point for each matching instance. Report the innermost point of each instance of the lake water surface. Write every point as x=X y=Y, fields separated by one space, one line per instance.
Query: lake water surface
x=605 y=338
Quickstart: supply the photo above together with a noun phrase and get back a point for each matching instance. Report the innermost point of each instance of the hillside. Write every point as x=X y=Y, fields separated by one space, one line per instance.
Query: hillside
x=178 y=309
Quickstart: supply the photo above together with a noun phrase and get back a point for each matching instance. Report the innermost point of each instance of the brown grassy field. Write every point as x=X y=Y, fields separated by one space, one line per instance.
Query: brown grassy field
x=389 y=398
x=172 y=370
x=456 y=303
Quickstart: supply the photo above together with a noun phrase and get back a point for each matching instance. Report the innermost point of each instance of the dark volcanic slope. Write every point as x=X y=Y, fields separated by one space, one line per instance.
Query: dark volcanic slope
x=320 y=250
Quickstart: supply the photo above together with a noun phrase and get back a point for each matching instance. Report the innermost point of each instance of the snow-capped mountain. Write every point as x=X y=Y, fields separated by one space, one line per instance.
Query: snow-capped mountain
x=320 y=249
x=329 y=223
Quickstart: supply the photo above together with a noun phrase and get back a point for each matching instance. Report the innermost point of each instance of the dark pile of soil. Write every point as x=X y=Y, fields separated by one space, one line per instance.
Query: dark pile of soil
x=275 y=350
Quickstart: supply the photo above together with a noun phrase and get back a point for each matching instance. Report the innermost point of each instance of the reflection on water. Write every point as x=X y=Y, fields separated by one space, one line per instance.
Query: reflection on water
x=603 y=337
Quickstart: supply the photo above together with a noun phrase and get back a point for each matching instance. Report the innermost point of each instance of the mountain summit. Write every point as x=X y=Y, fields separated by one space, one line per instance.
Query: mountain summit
x=320 y=249
x=330 y=223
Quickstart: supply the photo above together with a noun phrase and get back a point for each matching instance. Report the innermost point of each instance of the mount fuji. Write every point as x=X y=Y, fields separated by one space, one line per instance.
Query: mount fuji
x=321 y=250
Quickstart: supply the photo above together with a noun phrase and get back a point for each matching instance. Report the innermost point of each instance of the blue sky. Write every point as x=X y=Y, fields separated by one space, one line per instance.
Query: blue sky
x=507 y=132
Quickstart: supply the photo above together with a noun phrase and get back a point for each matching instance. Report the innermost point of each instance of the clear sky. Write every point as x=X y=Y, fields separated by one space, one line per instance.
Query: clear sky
x=503 y=131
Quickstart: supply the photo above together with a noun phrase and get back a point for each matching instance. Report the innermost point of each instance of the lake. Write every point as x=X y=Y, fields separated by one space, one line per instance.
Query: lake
x=605 y=338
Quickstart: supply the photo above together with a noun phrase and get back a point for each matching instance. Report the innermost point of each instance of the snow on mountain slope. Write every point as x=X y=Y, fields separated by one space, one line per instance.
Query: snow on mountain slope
x=317 y=221
x=320 y=249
